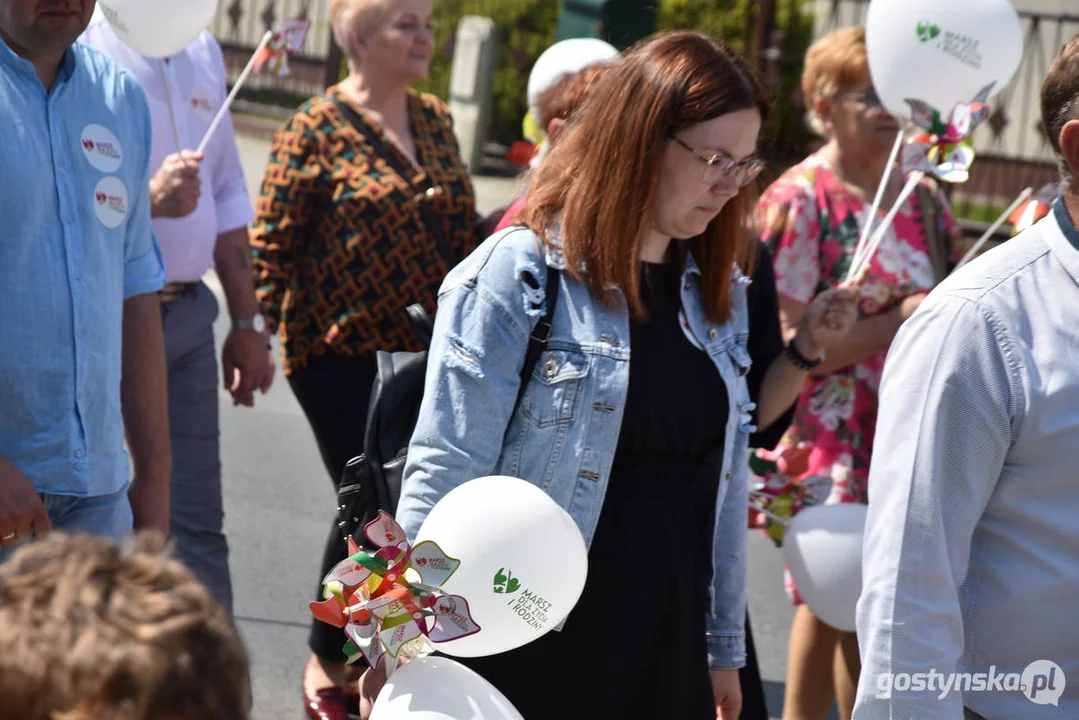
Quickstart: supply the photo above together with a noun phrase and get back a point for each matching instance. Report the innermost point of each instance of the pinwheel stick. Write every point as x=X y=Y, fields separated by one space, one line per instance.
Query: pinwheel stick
x=235 y=89
x=771 y=516
x=868 y=227
x=862 y=262
x=1023 y=197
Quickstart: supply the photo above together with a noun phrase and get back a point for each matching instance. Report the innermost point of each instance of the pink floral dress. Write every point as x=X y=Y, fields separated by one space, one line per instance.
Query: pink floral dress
x=811 y=221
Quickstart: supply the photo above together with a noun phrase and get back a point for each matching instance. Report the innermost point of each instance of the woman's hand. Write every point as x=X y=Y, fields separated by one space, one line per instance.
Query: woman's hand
x=371 y=683
x=828 y=318
x=727 y=690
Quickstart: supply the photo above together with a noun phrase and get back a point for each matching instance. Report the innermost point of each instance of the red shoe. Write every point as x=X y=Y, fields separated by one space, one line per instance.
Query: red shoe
x=330 y=703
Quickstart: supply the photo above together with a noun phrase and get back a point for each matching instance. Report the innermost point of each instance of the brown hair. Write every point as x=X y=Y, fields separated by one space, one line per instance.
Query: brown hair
x=1060 y=99
x=565 y=96
x=599 y=182
x=836 y=62
x=89 y=630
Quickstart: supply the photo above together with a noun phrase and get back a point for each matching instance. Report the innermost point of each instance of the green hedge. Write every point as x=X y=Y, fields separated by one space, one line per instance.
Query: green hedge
x=528 y=27
x=786 y=137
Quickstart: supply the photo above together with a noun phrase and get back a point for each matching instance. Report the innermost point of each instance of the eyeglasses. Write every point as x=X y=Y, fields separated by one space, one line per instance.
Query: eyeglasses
x=718 y=167
x=868 y=97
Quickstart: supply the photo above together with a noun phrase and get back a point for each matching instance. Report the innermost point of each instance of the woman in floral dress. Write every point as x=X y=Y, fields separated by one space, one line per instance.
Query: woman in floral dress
x=811 y=218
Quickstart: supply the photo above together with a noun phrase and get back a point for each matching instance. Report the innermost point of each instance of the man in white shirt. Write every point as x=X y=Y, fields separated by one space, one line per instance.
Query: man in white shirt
x=198 y=231
x=971 y=561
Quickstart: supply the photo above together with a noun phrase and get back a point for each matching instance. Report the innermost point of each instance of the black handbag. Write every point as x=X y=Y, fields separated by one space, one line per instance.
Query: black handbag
x=372 y=481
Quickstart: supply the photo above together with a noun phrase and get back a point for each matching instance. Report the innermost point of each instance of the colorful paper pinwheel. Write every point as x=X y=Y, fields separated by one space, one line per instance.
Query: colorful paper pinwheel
x=781 y=492
x=384 y=613
x=286 y=41
x=945 y=150
x=1034 y=209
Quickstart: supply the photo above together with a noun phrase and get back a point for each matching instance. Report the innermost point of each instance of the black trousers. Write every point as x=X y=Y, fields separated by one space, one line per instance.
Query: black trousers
x=334 y=392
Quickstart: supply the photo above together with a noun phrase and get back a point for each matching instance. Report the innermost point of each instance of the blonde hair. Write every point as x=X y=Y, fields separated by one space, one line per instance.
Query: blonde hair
x=834 y=63
x=366 y=17
x=90 y=630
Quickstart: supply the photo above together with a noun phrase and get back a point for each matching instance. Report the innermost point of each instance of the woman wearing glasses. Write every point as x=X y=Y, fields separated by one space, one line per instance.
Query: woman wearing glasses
x=637 y=416
x=810 y=219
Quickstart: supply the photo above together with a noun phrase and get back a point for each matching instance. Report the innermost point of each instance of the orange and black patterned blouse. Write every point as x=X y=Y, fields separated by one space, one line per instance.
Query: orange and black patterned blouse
x=348 y=231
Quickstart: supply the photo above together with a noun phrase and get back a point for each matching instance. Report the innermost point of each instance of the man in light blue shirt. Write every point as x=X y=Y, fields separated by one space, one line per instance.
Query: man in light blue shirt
x=971 y=560
x=79 y=275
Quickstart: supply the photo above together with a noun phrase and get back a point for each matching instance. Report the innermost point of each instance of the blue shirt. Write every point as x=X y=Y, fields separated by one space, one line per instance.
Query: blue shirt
x=75 y=242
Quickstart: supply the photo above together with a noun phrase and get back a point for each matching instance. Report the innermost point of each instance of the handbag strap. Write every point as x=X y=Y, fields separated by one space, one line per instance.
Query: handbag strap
x=937 y=243
x=541 y=333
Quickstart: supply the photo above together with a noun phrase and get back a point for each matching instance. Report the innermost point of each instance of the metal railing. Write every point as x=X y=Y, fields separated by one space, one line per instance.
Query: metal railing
x=240 y=24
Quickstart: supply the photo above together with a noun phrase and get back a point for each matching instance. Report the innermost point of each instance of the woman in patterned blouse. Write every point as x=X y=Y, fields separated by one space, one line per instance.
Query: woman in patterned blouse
x=811 y=218
x=365 y=206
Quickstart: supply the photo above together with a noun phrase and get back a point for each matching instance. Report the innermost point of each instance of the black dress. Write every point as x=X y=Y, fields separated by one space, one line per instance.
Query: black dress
x=634 y=646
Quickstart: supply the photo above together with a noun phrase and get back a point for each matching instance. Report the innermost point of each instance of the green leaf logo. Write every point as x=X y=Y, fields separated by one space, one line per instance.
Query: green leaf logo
x=505 y=583
x=927 y=31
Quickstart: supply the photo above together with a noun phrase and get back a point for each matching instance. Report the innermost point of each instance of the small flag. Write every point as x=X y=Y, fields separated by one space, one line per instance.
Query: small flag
x=289 y=39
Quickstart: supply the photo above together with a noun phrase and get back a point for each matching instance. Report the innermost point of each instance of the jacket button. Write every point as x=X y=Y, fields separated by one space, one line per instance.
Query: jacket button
x=549 y=367
x=712 y=334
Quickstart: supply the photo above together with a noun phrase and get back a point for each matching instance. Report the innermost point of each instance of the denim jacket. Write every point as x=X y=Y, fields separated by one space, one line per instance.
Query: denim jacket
x=563 y=434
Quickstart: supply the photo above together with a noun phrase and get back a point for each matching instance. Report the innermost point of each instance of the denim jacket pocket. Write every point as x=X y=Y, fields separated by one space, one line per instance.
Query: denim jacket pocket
x=555 y=387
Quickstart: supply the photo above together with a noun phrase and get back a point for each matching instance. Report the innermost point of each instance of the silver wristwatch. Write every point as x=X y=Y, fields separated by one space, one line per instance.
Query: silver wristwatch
x=256 y=322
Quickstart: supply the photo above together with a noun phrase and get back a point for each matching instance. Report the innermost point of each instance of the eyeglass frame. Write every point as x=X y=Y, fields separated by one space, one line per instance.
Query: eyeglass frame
x=863 y=97
x=750 y=168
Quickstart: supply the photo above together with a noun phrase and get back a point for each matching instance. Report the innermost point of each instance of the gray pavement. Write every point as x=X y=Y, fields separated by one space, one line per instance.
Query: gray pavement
x=278 y=504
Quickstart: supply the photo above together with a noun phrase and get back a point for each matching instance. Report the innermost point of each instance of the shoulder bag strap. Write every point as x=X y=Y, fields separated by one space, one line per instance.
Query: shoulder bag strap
x=936 y=241
x=537 y=342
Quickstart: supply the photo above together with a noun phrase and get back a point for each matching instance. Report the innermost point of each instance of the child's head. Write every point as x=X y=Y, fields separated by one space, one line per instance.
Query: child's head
x=558 y=103
x=89 y=630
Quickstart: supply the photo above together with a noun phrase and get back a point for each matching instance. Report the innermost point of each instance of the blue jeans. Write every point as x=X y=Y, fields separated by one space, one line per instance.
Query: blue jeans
x=104 y=515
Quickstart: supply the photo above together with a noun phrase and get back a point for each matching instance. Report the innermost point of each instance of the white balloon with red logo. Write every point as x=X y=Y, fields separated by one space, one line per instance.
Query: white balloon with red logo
x=158 y=28
x=523 y=561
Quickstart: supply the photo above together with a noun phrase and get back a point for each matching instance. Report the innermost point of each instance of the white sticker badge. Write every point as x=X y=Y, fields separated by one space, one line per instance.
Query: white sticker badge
x=110 y=201
x=102 y=148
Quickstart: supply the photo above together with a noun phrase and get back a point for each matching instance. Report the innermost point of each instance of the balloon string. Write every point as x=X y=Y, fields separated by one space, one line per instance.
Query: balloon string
x=1023 y=196
x=168 y=104
x=868 y=227
x=878 y=235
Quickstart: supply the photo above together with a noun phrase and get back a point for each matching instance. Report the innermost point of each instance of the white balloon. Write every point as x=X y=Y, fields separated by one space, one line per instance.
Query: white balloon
x=940 y=52
x=523 y=561
x=823 y=550
x=158 y=28
x=437 y=688
x=565 y=58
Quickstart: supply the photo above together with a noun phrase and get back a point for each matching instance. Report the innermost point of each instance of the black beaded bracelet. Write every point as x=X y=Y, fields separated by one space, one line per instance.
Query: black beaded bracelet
x=799 y=360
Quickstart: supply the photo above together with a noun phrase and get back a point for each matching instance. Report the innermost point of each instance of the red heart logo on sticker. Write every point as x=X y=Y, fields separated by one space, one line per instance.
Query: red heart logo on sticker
x=88 y=144
x=101 y=197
